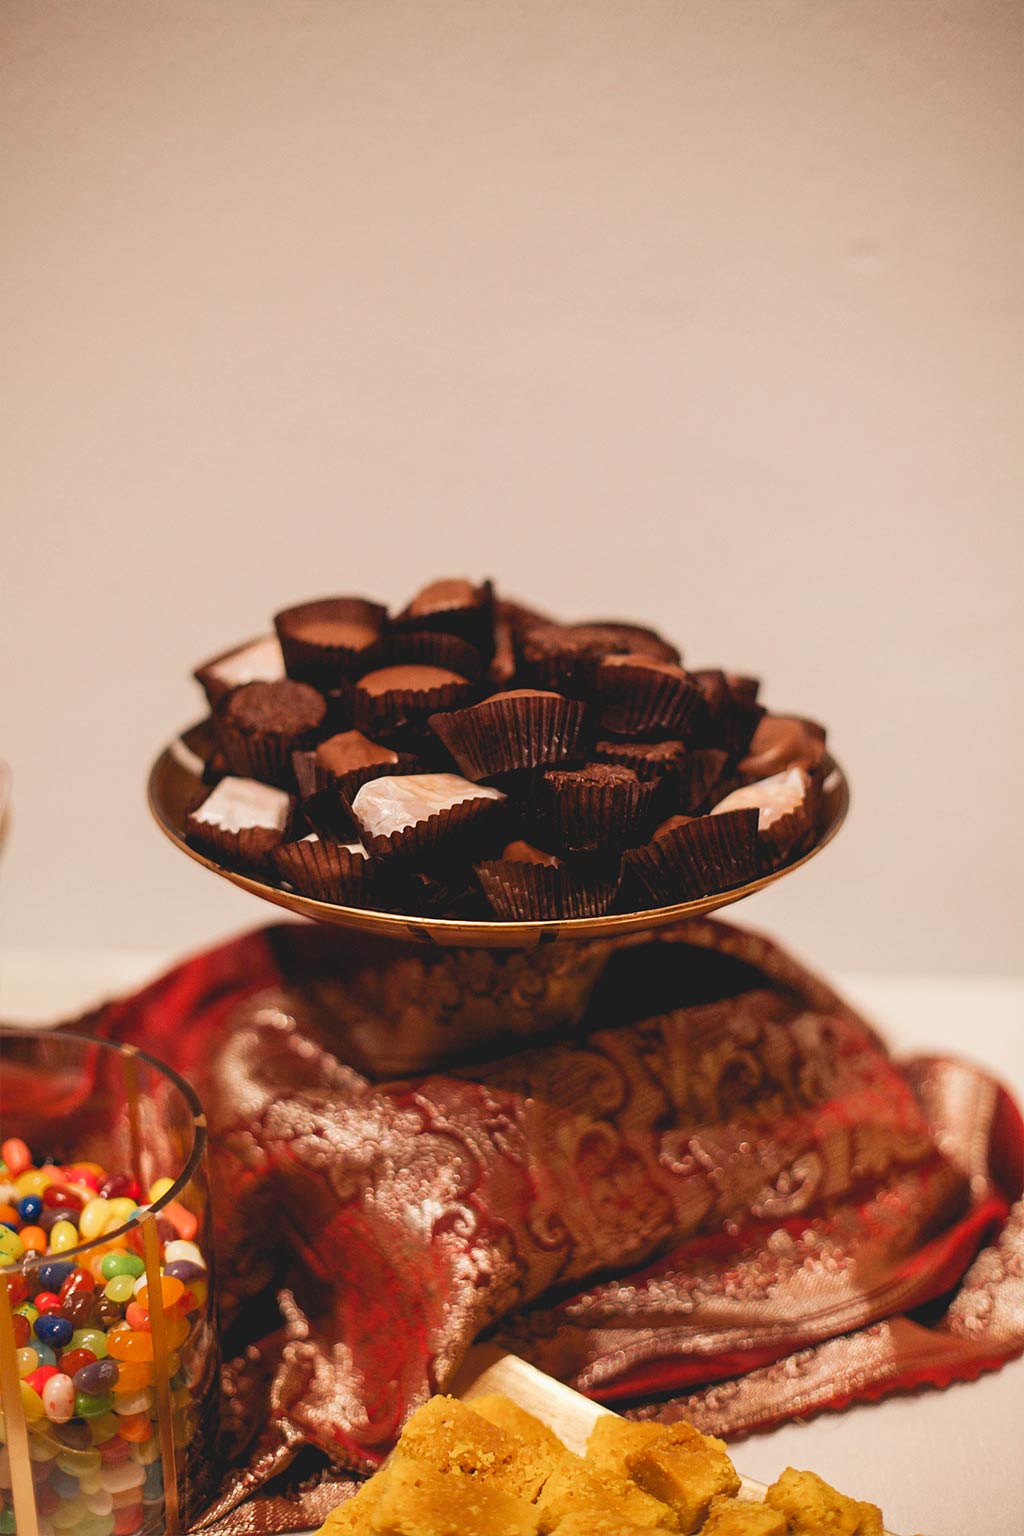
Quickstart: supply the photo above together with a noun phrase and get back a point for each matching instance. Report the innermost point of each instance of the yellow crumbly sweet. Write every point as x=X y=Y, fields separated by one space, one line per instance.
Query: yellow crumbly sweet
x=597 y=1523
x=737 y=1517
x=448 y=1436
x=684 y=1469
x=507 y=1415
x=613 y=1439
x=419 y=1501
x=575 y=1487
x=813 y=1508
x=352 y=1517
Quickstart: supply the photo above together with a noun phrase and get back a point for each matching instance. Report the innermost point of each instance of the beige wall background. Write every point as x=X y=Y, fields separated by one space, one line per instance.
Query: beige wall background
x=706 y=312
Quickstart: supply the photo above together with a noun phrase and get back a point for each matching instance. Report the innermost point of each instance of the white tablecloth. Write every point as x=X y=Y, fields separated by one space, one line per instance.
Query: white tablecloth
x=945 y=1463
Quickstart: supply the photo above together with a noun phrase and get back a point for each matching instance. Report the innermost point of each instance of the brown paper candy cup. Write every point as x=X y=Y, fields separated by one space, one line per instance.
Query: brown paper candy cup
x=250 y=849
x=586 y=810
x=522 y=892
x=471 y=620
x=312 y=777
x=708 y=854
x=260 y=752
x=407 y=710
x=449 y=834
x=639 y=701
x=510 y=733
x=431 y=648
x=326 y=871
x=322 y=662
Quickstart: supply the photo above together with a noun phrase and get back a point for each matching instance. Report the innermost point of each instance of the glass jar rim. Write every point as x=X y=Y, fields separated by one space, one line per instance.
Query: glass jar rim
x=192 y=1162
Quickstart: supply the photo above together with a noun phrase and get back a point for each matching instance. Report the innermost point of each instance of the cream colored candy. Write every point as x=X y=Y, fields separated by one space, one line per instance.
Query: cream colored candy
x=389 y=805
x=772 y=798
x=239 y=804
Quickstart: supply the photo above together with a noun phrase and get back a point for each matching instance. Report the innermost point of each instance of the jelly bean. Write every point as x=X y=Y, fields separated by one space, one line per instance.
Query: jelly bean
x=54 y=1272
x=30 y=1207
x=21 y=1330
x=97 y=1525
x=134 y=1402
x=63 y=1235
x=47 y=1499
x=7 y=1524
x=158 y=1190
x=135 y=1427
x=11 y=1215
x=11 y=1246
x=115 y=1450
x=90 y=1338
x=137 y=1317
x=178 y=1332
x=77 y=1463
x=16 y=1156
x=146 y=1453
x=46 y=1301
x=119 y=1289
x=32 y=1403
x=38 y=1378
x=73 y=1436
x=54 y=1329
x=122 y=1264
x=49 y=1219
x=91 y=1483
x=171 y=1290
x=107 y=1312
x=79 y=1308
x=42 y=1449
x=184 y=1221
x=72 y=1360
x=133 y=1375
x=184 y=1270
x=97 y=1377
x=129 y=1474
x=100 y=1503
x=119 y=1211
x=89 y=1174
x=79 y=1281
x=68 y=1514
x=60 y=1198
x=17 y=1289
x=121 y=1185
x=34 y=1239
x=88 y=1406
x=130 y=1345
x=94 y=1218
x=28 y=1310
x=127 y=1520
x=104 y=1427
x=64 y=1481
x=59 y=1398
x=28 y=1361
x=33 y=1181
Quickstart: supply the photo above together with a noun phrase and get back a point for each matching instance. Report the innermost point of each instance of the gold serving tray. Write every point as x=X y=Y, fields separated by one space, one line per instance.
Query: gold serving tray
x=176 y=783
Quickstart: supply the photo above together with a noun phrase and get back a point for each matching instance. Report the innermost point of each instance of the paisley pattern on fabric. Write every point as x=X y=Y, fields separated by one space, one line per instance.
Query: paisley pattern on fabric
x=680 y=1174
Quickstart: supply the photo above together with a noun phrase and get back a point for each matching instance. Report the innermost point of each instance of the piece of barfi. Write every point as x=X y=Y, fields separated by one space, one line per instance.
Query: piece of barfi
x=738 y=1517
x=577 y=1487
x=419 y=1501
x=813 y=1508
x=448 y=1436
x=685 y=1470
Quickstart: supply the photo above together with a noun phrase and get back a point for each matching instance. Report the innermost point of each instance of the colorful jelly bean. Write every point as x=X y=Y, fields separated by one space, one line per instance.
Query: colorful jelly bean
x=97 y=1377
x=59 y=1398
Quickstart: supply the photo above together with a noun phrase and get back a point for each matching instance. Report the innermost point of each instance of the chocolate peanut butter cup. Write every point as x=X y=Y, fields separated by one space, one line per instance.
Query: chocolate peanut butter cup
x=431 y=648
x=601 y=806
x=690 y=857
x=240 y=822
x=325 y=641
x=529 y=885
x=258 y=661
x=260 y=725
x=723 y=719
x=510 y=732
x=456 y=606
x=422 y=815
x=402 y=698
x=566 y=657
x=787 y=809
x=637 y=696
x=780 y=742
x=327 y=871
x=345 y=761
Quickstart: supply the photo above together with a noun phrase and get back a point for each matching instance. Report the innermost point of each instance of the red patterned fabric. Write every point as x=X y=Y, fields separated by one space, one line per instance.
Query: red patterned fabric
x=714 y=1194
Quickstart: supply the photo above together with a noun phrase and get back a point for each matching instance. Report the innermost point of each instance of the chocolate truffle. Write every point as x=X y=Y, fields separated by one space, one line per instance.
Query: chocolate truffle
x=420 y=812
x=509 y=732
x=586 y=809
x=639 y=696
x=396 y=698
x=783 y=741
x=260 y=725
x=328 y=640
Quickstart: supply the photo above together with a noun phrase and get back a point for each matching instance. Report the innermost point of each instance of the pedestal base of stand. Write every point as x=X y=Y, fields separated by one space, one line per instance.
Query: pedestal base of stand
x=389 y=1008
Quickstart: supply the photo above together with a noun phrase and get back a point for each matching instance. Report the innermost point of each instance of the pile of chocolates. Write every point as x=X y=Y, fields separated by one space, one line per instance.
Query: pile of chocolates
x=470 y=757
